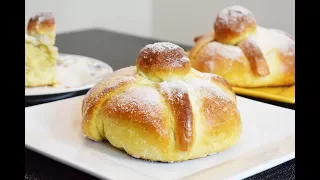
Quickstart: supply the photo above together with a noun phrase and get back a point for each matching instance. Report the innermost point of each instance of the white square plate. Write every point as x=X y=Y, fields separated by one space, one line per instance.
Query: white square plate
x=268 y=139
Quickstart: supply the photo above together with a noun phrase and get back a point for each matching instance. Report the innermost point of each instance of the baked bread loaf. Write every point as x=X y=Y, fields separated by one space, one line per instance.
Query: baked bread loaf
x=245 y=54
x=40 y=52
x=162 y=109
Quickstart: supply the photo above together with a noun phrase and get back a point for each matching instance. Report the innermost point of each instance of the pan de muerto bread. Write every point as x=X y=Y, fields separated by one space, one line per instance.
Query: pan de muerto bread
x=245 y=54
x=40 y=51
x=42 y=27
x=162 y=109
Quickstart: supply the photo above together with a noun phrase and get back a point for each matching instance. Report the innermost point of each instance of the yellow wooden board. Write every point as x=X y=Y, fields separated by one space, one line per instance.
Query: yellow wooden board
x=280 y=94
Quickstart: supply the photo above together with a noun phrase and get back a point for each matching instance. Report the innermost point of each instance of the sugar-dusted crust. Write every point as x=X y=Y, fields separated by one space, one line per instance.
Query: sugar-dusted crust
x=40 y=52
x=245 y=54
x=234 y=24
x=42 y=26
x=163 y=61
x=182 y=114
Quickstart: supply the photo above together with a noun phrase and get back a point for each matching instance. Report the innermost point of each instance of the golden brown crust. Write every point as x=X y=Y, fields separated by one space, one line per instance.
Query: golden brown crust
x=162 y=120
x=41 y=22
x=132 y=106
x=96 y=96
x=287 y=61
x=199 y=43
x=217 y=123
x=179 y=104
x=255 y=57
x=221 y=81
x=42 y=25
x=215 y=104
x=233 y=24
x=162 y=61
x=259 y=57
x=197 y=38
x=218 y=80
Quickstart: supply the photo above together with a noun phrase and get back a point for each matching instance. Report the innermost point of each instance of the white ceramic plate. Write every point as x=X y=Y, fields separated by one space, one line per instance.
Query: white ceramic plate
x=74 y=73
x=268 y=139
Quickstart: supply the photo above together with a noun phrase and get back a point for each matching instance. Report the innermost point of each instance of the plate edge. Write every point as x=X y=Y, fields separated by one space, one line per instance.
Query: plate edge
x=86 y=87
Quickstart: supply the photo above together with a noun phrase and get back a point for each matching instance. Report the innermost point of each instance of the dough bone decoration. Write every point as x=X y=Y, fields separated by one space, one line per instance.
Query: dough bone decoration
x=245 y=54
x=162 y=109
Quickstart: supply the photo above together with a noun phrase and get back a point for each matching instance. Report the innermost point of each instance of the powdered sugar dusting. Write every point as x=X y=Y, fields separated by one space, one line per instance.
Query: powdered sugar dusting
x=232 y=13
x=109 y=83
x=115 y=82
x=165 y=55
x=174 y=89
x=230 y=16
x=205 y=75
x=179 y=62
x=105 y=87
x=42 y=16
x=226 y=51
x=160 y=47
x=207 y=88
x=144 y=97
x=143 y=100
x=268 y=39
